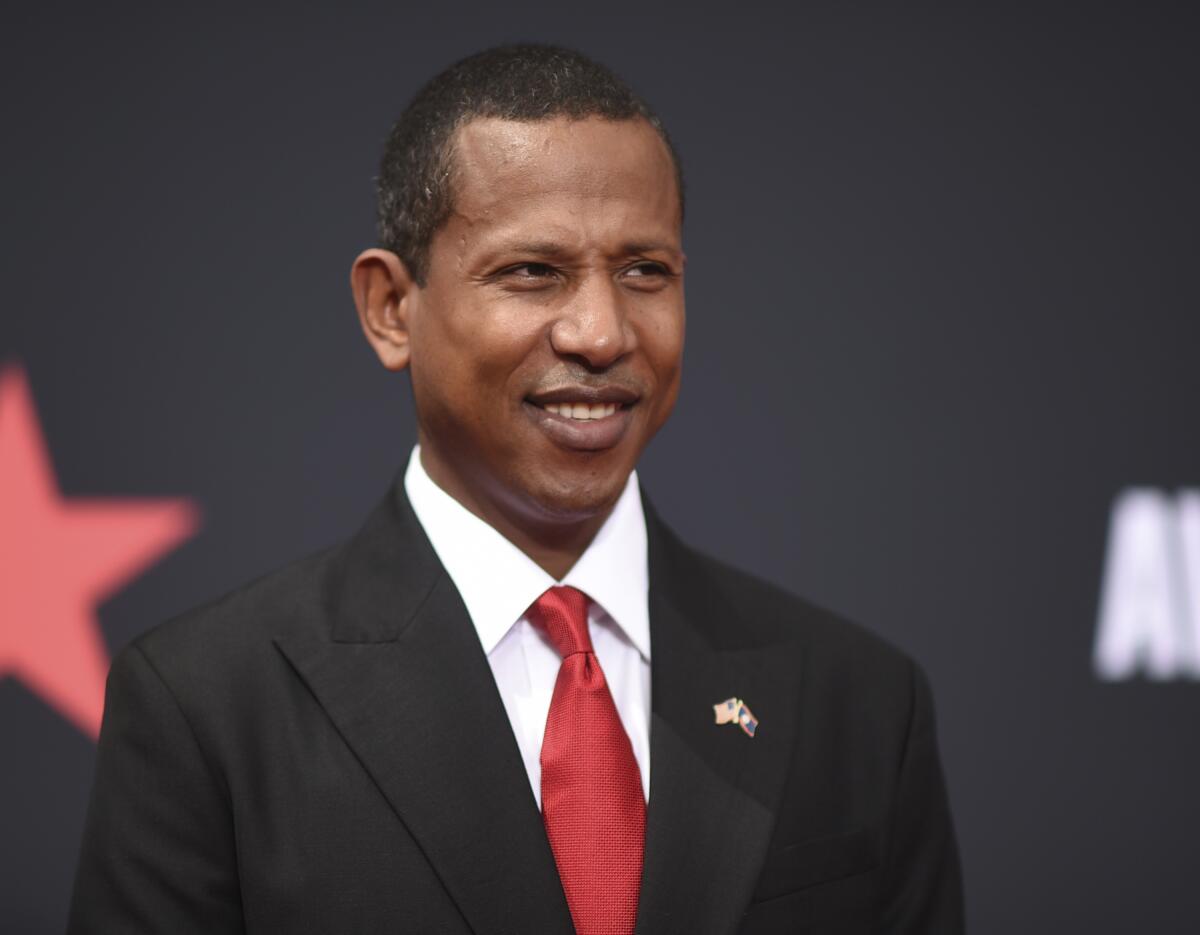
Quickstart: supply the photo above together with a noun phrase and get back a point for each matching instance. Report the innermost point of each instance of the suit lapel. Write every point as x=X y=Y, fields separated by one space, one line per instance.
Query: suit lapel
x=713 y=789
x=406 y=683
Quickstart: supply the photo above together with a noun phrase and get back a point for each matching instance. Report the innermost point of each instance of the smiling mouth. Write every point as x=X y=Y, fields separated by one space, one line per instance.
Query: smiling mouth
x=581 y=411
x=583 y=418
x=583 y=403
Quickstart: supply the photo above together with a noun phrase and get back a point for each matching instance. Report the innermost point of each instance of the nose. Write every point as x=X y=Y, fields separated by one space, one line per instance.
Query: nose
x=593 y=326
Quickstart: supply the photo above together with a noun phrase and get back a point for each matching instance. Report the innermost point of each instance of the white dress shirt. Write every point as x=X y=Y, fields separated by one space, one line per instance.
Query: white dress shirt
x=498 y=582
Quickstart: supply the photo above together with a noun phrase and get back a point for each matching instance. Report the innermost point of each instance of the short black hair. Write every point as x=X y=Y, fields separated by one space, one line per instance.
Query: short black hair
x=514 y=82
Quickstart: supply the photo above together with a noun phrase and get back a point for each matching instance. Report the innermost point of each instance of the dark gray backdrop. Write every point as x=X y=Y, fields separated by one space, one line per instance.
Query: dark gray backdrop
x=942 y=302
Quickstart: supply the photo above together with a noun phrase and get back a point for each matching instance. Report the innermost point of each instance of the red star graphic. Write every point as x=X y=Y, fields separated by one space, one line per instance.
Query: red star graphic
x=59 y=559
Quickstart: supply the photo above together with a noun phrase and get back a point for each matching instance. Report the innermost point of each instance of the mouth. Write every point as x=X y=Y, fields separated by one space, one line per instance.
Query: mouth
x=583 y=418
x=582 y=412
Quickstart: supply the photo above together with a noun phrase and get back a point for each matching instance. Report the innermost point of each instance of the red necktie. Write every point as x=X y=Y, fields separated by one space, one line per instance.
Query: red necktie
x=592 y=802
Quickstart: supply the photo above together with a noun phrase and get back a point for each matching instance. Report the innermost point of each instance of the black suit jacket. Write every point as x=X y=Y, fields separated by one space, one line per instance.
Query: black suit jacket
x=324 y=750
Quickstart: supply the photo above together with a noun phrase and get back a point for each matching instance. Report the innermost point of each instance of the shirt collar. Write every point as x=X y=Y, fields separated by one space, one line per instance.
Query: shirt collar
x=498 y=581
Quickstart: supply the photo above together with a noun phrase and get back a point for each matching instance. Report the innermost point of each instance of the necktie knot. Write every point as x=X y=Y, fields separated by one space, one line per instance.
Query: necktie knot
x=561 y=613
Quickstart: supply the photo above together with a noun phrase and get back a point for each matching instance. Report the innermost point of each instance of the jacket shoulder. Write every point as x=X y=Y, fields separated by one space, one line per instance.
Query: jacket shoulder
x=231 y=631
x=774 y=614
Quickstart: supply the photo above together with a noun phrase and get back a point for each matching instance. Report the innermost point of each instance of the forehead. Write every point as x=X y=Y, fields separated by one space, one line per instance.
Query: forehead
x=573 y=173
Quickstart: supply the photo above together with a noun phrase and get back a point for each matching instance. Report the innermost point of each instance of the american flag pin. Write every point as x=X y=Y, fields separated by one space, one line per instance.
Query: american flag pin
x=734 y=711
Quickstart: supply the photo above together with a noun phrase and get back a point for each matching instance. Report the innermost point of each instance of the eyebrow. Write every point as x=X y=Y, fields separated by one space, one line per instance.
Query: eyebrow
x=549 y=248
x=650 y=246
x=534 y=247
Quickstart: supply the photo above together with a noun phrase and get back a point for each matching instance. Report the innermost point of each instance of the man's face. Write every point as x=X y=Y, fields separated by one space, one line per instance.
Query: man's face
x=547 y=342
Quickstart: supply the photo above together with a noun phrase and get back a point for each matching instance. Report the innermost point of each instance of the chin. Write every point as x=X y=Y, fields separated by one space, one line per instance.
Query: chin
x=564 y=499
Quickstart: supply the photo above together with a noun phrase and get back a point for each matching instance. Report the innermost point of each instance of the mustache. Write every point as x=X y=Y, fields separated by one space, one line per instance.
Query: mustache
x=575 y=378
x=576 y=384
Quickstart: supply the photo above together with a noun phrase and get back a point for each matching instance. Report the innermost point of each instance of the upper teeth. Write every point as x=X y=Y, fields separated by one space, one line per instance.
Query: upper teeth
x=581 y=410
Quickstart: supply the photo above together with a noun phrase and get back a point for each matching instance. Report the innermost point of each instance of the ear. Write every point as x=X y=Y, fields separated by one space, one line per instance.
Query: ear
x=384 y=294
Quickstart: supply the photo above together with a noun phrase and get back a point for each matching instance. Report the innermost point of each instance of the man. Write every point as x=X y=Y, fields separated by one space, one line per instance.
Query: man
x=514 y=701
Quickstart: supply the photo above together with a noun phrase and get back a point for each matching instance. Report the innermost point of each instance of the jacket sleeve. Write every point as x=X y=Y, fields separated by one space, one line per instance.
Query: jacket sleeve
x=158 y=852
x=922 y=878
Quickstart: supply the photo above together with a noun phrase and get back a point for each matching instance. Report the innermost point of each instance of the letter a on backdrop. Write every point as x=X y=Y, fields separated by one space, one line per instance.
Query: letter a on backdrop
x=1150 y=600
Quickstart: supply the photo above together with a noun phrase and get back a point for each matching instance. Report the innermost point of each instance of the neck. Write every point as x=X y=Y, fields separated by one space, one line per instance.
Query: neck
x=555 y=551
x=553 y=543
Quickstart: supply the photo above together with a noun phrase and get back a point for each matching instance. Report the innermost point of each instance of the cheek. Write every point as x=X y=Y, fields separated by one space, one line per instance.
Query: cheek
x=503 y=352
x=472 y=353
x=662 y=339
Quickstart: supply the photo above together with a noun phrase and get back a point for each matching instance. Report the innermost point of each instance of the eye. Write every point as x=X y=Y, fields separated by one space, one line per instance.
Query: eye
x=647 y=268
x=529 y=271
x=647 y=275
x=526 y=277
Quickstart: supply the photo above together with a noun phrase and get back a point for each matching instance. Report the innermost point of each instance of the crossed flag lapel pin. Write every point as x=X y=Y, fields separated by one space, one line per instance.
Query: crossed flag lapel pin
x=734 y=711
